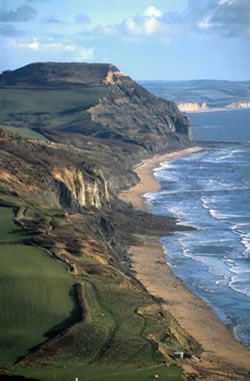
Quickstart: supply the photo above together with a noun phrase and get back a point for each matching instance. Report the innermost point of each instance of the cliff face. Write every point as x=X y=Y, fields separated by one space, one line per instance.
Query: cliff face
x=238 y=105
x=98 y=123
x=94 y=100
x=192 y=107
x=130 y=113
x=77 y=189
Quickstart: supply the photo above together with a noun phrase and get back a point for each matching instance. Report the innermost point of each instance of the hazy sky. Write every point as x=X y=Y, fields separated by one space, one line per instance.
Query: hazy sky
x=147 y=39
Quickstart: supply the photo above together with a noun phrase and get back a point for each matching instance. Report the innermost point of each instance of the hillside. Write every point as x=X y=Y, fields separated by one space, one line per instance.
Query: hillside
x=203 y=95
x=70 y=136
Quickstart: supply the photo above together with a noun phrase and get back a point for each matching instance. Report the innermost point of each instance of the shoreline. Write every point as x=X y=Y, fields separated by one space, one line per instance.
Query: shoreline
x=149 y=183
x=216 y=110
x=222 y=353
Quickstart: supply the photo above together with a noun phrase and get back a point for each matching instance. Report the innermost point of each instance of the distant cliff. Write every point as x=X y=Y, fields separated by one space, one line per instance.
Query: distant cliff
x=203 y=95
x=238 y=105
x=196 y=107
x=192 y=107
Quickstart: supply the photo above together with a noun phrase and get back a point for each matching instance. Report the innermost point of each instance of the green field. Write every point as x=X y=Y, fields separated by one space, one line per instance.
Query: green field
x=35 y=293
x=172 y=373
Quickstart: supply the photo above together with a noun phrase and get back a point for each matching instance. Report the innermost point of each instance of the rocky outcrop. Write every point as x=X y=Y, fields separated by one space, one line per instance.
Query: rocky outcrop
x=131 y=114
x=113 y=76
x=78 y=189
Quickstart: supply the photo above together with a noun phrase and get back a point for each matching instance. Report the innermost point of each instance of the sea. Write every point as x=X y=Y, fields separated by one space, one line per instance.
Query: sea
x=210 y=190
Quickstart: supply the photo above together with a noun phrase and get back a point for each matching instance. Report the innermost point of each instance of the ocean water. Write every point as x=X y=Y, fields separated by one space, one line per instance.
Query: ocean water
x=210 y=190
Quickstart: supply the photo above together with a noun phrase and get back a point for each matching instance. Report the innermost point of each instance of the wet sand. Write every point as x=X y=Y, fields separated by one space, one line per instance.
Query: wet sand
x=223 y=357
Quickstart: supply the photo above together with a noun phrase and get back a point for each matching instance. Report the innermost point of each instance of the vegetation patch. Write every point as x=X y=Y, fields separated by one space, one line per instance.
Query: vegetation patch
x=24 y=132
x=9 y=231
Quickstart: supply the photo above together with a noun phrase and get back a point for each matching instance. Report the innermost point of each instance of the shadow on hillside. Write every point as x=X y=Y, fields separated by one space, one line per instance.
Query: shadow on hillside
x=77 y=314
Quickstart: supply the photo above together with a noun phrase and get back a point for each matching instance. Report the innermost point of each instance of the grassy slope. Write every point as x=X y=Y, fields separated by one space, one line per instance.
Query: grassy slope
x=24 y=109
x=34 y=293
x=48 y=101
x=113 y=343
x=116 y=339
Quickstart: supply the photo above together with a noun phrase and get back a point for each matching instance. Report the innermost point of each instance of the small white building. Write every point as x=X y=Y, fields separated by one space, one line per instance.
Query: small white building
x=178 y=355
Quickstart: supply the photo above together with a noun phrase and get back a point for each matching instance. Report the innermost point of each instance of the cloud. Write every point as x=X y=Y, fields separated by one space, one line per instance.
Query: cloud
x=209 y=18
x=152 y=12
x=222 y=2
x=205 y=23
x=82 y=19
x=10 y=31
x=52 y=20
x=74 y=52
x=23 y=13
x=229 y=18
x=146 y=24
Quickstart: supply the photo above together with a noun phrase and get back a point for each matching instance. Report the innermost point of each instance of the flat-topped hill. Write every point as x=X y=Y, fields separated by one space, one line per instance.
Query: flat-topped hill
x=55 y=99
x=56 y=74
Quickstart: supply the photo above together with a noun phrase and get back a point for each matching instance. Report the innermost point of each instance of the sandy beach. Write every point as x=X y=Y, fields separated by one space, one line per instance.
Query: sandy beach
x=223 y=357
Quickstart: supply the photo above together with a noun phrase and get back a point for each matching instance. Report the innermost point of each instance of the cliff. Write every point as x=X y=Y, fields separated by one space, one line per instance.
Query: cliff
x=90 y=116
x=238 y=105
x=192 y=107
x=91 y=100
x=203 y=94
x=70 y=136
x=196 y=107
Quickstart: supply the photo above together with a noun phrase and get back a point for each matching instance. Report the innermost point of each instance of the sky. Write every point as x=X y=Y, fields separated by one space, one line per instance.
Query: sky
x=146 y=39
